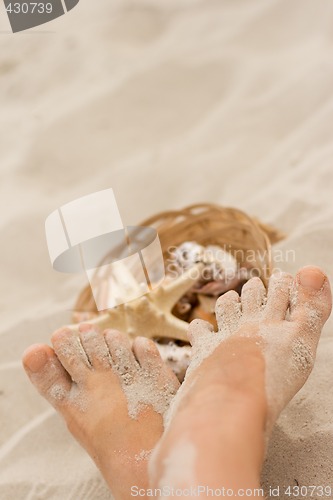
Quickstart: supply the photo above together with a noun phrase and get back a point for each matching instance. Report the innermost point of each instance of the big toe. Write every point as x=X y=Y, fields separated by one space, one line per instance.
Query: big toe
x=310 y=298
x=35 y=358
x=46 y=373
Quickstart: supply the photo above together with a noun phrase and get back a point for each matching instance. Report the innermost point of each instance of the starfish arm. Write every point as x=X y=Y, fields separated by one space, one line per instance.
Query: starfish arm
x=169 y=293
x=114 y=318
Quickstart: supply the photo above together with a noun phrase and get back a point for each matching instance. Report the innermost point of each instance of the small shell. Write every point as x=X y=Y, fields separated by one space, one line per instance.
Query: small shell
x=187 y=254
x=220 y=261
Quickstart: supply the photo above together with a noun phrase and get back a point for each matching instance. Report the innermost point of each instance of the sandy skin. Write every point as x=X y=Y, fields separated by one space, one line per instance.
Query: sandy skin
x=241 y=379
x=82 y=377
x=223 y=414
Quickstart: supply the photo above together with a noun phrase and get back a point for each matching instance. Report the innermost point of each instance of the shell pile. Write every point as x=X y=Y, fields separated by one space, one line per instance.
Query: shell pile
x=220 y=273
x=195 y=277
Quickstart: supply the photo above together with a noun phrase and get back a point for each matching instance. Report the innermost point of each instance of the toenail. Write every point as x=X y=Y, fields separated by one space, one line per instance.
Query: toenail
x=36 y=361
x=311 y=278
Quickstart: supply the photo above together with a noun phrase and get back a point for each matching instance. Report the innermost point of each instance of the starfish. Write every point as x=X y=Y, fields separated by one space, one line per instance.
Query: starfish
x=150 y=315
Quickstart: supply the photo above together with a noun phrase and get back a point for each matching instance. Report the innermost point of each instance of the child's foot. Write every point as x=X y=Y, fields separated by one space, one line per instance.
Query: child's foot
x=111 y=395
x=241 y=378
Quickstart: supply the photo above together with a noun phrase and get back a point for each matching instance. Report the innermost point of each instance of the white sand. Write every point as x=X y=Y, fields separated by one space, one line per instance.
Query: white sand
x=170 y=103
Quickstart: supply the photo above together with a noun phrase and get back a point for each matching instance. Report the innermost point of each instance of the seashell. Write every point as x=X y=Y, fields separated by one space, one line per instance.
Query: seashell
x=187 y=254
x=219 y=287
x=220 y=260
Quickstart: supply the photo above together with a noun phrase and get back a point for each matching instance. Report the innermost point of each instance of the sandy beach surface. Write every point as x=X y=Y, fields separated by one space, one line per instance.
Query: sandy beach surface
x=169 y=103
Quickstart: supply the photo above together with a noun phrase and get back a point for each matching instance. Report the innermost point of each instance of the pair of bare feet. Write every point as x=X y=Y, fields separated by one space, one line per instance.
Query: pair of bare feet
x=114 y=395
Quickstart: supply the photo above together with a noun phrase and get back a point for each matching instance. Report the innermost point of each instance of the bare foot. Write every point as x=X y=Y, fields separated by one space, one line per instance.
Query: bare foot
x=111 y=395
x=240 y=379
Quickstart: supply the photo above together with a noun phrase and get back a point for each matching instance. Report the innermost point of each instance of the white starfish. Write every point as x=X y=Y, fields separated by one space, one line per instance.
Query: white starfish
x=150 y=315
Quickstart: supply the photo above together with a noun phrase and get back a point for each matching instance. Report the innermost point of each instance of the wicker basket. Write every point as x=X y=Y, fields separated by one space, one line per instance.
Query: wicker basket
x=243 y=236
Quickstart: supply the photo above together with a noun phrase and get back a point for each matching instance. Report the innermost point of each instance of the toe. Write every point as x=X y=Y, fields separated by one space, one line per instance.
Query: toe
x=93 y=343
x=121 y=351
x=253 y=296
x=278 y=296
x=198 y=330
x=228 y=312
x=47 y=374
x=149 y=358
x=310 y=299
x=147 y=354
x=70 y=352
